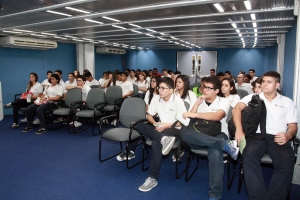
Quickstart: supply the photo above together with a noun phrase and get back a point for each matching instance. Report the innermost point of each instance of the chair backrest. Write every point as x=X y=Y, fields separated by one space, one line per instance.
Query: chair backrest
x=187 y=105
x=242 y=93
x=229 y=114
x=95 y=86
x=113 y=93
x=132 y=110
x=135 y=89
x=73 y=95
x=95 y=95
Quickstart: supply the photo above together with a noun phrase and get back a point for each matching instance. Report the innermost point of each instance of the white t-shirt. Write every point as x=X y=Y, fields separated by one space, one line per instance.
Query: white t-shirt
x=126 y=87
x=67 y=83
x=233 y=99
x=280 y=112
x=142 y=85
x=147 y=95
x=45 y=82
x=191 y=98
x=132 y=80
x=148 y=79
x=93 y=82
x=53 y=91
x=166 y=110
x=218 y=104
x=36 y=89
x=245 y=86
x=102 y=81
x=166 y=76
x=61 y=82
x=85 y=90
x=254 y=78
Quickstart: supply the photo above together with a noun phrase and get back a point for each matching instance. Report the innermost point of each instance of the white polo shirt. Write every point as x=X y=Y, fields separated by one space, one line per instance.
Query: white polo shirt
x=219 y=103
x=132 y=80
x=166 y=110
x=280 y=112
x=143 y=84
x=126 y=87
x=93 y=82
x=191 y=98
x=233 y=99
x=147 y=95
x=54 y=91
x=45 y=82
x=245 y=86
x=36 y=89
x=102 y=81
x=85 y=90
x=67 y=83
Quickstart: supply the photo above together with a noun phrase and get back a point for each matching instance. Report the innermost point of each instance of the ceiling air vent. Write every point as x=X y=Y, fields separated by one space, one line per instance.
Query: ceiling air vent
x=27 y=43
x=109 y=50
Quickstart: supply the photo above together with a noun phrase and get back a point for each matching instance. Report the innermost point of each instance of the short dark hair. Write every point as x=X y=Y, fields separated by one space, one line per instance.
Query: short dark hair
x=258 y=80
x=59 y=71
x=177 y=72
x=125 y=73
x=87 y=74
x=72 y=74
x=170 y=71
x=168 y=81
x=273 y=74
x=248 y=76
x=252 y=70
x=212 y=70
x=155 y=69
x=215 y=81
x=132 y=70
x=104 y=73
x=49 y=71
x=227 y=72
x=82 y=77
x=220 y=74
x=164 y=70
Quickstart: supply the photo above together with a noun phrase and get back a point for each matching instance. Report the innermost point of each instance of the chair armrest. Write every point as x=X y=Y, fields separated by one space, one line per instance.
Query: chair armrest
x=108 y=117
x=118 y=101
x=16 y=95
x=76 y=104
x=98 y=104
x=133 y=124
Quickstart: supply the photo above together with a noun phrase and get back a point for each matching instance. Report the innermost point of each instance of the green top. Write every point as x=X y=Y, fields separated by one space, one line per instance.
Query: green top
x=196 y=91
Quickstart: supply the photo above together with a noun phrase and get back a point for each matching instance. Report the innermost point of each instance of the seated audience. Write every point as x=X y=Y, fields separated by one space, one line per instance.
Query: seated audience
x=90 y=79
x=183 y=91
x=256 y=85
x=252 y=74
x=211 y=107
x=242 y=85
x=247 y=78
x=103 y=80
x=229 y=91
x=132 y=76
x=212 y=72
x=281 y=127
x=46 y=82
x=220 y=75
x=34 y=90
x=71 y=82
x=142 y=84
x=76 y=73
x=52 y=93
x=59 y=73
x=166 y=105
x=199 y=89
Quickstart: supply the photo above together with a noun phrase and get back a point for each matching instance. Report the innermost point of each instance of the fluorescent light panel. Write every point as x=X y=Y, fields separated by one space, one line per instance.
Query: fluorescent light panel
x=77 y=10
x=150 y=35
x=58 y=13
x=233 y=25
x=253 y=17
x=38 y=35
x=151 y=30
x=136 y=31
x=119 y=27
x=254 y=24
x=247 y=5
x=218 y=6
x=23 y=30
x=112 y=19
x=135 y=25
x=94 y=21
x=51 y=34
x=161 y=38
x=11 y=32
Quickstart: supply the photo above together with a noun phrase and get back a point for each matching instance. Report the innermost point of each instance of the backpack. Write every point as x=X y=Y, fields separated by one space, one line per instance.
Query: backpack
x=253 y=115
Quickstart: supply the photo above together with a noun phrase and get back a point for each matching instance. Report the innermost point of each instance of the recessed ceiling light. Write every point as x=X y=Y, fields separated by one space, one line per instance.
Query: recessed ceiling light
x=233 y=25
x=58 y=13
x=253 y=17
x=254 y=24
x=119 y=27
x=112 y=19
x=218 y=6
x=77 y=10
x=247 y=5
x=94 y=21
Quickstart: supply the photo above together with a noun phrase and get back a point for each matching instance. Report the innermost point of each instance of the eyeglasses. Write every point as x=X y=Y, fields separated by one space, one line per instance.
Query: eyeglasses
x=207 y=88
x=162 y=88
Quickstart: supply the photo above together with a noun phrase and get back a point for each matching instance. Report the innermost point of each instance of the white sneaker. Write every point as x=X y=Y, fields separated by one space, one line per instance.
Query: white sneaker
x=37 y=121
x=24 y=120
x=167 y=144
x=77 y=124
x=114 y=122
x=148 y=185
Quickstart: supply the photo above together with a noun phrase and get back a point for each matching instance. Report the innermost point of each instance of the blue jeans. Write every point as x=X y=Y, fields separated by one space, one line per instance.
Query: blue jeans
x=156 y=154
x=283 y=160
x=215 y=146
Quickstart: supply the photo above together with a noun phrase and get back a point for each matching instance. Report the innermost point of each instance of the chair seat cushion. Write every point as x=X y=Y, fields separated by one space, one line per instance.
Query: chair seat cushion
x=62 y=111
x=88 y=113
x=120 y=134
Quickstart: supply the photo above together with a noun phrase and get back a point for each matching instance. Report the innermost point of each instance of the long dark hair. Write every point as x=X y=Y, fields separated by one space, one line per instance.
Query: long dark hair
x=113 y=80
x=232 y=84
x=186 y=87
x=30 y=84
x=152 y=90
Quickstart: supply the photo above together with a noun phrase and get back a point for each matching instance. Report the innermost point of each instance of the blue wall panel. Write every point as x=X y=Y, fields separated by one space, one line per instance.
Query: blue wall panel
x=289 y=62
x=107 y=62
x=16 y=65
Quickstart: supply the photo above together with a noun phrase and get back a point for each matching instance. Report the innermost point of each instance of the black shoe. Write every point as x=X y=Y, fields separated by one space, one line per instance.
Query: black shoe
x=40 y=131
x=27 y=129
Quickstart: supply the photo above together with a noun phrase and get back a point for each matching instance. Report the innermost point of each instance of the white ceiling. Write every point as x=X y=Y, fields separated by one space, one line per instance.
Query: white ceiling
x=153 y=24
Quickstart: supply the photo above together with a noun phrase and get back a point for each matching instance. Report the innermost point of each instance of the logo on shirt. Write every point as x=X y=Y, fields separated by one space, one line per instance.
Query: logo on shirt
x=279 y=106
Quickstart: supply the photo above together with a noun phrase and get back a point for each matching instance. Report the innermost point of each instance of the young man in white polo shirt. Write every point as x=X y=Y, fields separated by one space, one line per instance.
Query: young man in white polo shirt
x=281 y=126
x=210 y=106
x=166 y=105
x=71 y=82
x=127 y=87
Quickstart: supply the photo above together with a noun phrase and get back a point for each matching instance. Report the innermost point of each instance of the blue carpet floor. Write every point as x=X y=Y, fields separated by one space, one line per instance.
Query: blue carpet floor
x=60 y=165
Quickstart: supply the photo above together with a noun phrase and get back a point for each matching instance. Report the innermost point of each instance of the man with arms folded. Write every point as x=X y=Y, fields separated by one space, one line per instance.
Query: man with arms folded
x=281 y=126
x=166 y=105
x=209 y=106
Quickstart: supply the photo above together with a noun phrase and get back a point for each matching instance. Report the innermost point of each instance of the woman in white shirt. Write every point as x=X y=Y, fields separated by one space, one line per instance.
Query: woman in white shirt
x=52 y=93
x=182 y=84
x=152 y=91
x=229 y=91
x=34 y=89
x=142 y=84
